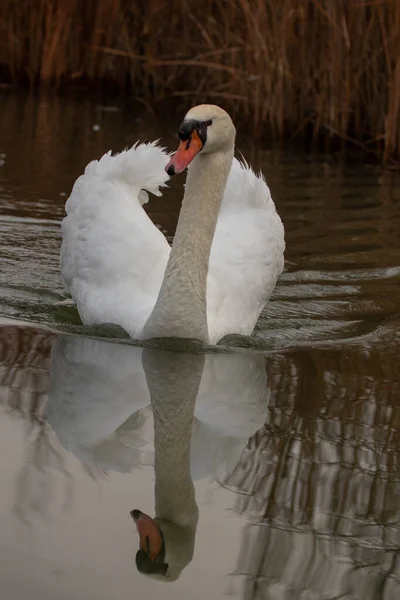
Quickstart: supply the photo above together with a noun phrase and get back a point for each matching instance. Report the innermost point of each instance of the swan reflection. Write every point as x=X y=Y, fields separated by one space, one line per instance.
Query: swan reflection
x=204 y=407
x=316 y=488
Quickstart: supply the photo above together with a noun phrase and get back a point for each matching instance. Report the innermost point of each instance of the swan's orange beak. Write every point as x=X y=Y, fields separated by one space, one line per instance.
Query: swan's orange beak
x=186 y=152
x=151 y=540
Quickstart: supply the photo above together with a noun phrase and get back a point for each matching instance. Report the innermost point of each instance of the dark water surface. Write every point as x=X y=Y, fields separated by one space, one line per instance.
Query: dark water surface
x=275 y=468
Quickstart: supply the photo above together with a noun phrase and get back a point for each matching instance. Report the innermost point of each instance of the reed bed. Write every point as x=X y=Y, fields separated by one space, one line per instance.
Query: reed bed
x=287 y=68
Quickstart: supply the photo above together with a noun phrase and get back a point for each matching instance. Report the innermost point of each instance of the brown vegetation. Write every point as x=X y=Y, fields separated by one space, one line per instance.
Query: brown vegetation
x=312 y=67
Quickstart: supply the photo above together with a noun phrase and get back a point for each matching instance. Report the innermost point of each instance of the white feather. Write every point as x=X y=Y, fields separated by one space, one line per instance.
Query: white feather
x=246 y=255
x=112 y=256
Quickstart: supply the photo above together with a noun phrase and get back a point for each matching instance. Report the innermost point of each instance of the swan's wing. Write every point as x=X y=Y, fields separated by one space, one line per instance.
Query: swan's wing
x=246 y=255
x=113 y=257
x=97 y=394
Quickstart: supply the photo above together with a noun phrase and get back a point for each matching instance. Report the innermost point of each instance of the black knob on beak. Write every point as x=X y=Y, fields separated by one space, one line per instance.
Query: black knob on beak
x=171 y=170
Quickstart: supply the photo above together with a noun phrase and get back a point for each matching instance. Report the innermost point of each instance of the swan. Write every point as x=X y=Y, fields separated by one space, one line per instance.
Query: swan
x=227 y=253
x=205 y=408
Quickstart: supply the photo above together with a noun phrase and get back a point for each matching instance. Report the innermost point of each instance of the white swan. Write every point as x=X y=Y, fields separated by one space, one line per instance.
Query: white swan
x=227 y=252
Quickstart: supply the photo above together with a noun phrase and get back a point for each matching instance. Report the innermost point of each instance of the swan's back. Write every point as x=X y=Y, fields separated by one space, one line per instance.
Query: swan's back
x=113 y=257
x=247 y=254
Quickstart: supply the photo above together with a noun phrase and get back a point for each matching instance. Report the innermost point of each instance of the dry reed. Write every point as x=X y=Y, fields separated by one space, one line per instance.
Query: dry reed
x=308 y=67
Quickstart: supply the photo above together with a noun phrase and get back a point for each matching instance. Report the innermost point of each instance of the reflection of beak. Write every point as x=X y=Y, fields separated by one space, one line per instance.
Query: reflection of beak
x=186 y=152
x=151 y=540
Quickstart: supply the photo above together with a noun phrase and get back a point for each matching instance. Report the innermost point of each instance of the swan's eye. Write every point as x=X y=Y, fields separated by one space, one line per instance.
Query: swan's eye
x=209 y=122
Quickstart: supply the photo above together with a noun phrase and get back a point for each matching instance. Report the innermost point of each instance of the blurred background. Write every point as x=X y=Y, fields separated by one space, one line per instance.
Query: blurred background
x=319 y=70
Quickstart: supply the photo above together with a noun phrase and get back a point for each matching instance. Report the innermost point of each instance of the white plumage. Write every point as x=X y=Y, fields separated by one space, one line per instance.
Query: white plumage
x=113 y=257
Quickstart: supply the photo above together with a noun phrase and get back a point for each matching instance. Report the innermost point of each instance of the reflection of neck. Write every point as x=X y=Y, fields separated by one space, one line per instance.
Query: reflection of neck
x=181 y=307
x=173 y=380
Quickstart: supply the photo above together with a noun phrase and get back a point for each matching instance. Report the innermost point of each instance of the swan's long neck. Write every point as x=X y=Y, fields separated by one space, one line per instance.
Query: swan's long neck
x=181 y=307
x=173 y=380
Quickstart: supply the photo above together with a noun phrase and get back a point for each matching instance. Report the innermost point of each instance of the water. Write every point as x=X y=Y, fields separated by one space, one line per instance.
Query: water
x=277 y=466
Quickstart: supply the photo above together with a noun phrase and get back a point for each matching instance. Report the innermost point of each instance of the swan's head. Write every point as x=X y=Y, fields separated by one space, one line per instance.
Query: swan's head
x=205 y=129
x=165 y=547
